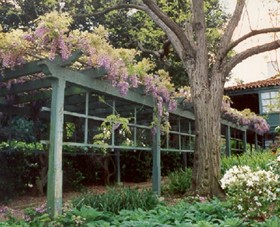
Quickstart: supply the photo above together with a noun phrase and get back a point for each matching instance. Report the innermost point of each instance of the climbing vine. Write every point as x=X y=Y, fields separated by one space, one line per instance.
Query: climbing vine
x=244 y=117
x=52 y=36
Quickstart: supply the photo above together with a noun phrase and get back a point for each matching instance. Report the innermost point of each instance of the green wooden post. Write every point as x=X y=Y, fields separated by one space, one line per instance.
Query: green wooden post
x=134 y=128
x=86 y=118
x=228 y=145
x=244 y=140
x=156 y=175
x=180 y=137
x=118 y=165
x=256 y=141
x=116 y=151
x=54 y=193
x=190 y=138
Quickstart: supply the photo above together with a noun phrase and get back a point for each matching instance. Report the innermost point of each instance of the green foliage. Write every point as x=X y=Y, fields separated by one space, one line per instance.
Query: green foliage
x=179 y=181
x=21 y=166
x=274 y=166
x=170 y=162
x=136 y=166
x=72 y=176
x=255 y=160
x=117 y=199
x=254 y=194
x=19 y=128
x=183 y=214
x=111 y=122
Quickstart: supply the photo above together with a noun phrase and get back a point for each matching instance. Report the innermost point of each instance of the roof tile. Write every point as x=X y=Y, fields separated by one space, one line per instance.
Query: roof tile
x=272 y=81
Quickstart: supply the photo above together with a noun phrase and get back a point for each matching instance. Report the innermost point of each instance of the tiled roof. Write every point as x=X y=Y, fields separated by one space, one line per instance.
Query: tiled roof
x=272 y=81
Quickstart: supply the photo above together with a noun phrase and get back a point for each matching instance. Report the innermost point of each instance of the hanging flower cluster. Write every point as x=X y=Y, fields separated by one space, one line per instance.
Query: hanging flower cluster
x=52 y=37
x=244 y=117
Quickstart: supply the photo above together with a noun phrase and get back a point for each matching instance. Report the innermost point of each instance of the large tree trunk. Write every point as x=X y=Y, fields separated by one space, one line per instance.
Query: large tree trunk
x=207 y=98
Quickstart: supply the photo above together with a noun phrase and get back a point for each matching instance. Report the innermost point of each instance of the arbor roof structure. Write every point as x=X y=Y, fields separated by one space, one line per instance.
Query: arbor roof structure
x=60 y=94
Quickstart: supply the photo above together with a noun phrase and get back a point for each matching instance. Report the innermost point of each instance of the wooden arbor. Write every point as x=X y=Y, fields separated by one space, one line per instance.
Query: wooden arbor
x=69 y=95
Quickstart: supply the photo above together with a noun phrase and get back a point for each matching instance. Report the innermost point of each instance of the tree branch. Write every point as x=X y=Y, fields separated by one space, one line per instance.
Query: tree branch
x=156 y=53
x=229 y=65
x=227 y=36
x=198 y=23
x=174 y=32
x=249 y=35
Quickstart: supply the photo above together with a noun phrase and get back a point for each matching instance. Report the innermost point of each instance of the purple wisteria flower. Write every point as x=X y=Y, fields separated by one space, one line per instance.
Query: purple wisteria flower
x=64 y=49
x=134 y=81
x=41 y=32
x=104 y=61
x=123 y=87
x=172 y=105
x=28 y=37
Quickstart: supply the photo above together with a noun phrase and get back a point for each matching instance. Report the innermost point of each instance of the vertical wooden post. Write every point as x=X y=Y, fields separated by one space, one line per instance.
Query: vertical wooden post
x=116 y=151
x=228 y=144
x=54 y=193
x=135 y=129
x=86 y=119
x=256 y=141
x=190 y=138
x=156 y=175
x=244 y=140
x=180 y=136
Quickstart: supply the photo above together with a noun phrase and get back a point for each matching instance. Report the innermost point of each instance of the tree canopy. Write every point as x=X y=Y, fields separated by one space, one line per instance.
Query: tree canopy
x=127 y=28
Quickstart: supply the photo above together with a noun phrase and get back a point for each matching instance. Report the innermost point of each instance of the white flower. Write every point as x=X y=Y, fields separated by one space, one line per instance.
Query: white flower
x=239 y=207
x=278 y=158
x=250 y=183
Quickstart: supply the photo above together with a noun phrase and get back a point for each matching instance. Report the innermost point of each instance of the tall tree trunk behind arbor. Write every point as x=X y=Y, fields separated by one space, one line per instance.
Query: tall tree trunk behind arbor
x=207 y=97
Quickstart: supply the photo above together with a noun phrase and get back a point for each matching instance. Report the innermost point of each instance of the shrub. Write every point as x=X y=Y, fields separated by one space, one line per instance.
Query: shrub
x=274 y=166
x=136 y=166
x=179 y=181
x=116 y=199
x=253 y=193
x=255 y=160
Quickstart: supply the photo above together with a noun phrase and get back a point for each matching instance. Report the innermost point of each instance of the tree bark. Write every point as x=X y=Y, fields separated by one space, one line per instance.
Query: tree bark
x=207 y=98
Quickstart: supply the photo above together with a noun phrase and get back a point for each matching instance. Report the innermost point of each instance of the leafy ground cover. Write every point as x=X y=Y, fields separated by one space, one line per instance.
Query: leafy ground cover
x=124 y=206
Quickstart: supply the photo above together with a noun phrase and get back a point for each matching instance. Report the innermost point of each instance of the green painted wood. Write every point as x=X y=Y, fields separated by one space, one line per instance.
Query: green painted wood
x=25 y=87
x=233 y=125
x=135 y=128
x=156 y=174
x=256 y=141
x=228 y=144
x=179 y=131
x=176 y=150
x=99 y=146
x=244 y=141
x=44 y=95
x=118 y=165
x=14 y=110
x=54 y=192
x=86 y=119
x=26 y=69
x=105 y=87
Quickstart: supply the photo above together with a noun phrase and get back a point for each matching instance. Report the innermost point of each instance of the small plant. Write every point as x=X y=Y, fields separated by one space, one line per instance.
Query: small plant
x=179 y=181
x=252 y=193
x=116 y=199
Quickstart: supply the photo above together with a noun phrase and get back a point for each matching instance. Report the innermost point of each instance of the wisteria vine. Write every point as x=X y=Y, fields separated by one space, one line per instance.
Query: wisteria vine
x=245 y=117
x=52 y=37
